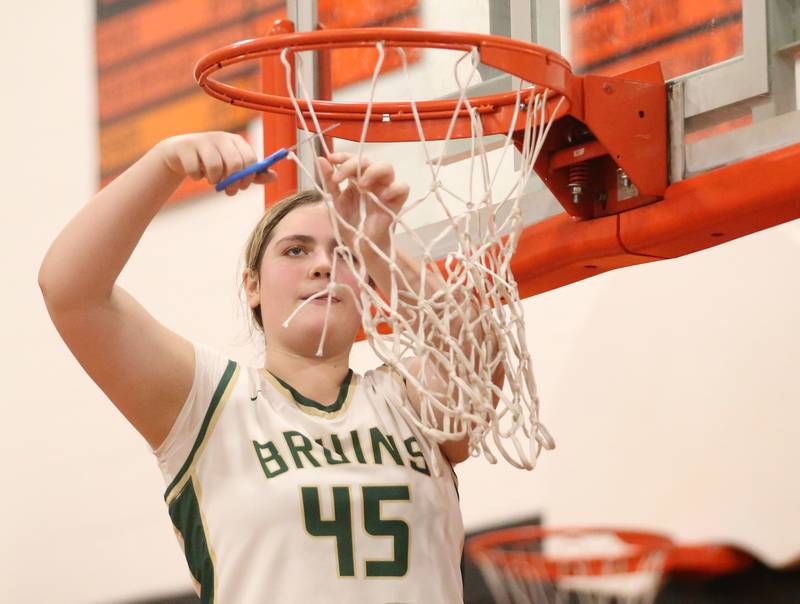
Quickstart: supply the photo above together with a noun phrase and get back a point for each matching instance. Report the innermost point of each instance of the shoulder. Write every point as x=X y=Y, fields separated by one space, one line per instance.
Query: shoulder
x=215 y=375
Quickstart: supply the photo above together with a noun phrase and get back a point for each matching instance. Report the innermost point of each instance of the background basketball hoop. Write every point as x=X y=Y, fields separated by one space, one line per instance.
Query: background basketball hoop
x=547 y=565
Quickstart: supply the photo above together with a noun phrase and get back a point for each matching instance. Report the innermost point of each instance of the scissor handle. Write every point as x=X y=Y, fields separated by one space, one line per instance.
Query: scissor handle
x=256 y=167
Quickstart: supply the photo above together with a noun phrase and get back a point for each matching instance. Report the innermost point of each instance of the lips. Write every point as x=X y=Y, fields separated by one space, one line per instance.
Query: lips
x=321 y=298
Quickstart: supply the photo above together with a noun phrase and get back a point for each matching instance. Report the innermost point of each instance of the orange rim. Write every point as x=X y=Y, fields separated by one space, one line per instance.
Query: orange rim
x=530 y=62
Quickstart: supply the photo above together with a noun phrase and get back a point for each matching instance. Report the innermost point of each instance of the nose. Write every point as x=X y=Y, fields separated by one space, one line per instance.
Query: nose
x=321 y=266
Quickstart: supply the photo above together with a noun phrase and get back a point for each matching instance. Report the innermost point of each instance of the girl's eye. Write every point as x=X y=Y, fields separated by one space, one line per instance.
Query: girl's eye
x=294 y=251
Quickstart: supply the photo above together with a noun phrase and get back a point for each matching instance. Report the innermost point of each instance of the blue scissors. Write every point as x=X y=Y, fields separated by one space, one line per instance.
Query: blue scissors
x=265 y=163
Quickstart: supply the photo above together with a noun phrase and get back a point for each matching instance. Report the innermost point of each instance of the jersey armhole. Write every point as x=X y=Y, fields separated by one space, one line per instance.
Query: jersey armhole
x=173 y=452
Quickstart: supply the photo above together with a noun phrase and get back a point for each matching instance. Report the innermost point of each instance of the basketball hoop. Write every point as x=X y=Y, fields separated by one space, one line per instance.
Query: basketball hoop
x=545 y=565
x=549 y=111
x=537 y=565
x=604 y=126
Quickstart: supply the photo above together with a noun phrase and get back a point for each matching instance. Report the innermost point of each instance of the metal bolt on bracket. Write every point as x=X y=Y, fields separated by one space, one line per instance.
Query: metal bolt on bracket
x=577 y=193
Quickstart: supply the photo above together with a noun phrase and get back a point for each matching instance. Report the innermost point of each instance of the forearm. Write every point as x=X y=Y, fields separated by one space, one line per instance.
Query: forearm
x=86 y=258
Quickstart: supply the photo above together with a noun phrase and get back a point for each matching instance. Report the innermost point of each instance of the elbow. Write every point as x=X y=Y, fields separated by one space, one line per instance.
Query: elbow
x=49 y=294
x=48 y=283
x=64 y=285
x=455 y=451
x=44 y=280
x=54 y=293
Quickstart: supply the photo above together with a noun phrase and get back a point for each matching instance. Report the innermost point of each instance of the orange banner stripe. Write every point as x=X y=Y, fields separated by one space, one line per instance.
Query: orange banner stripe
x=141 y=29
x=169 y=72
x=189 y=188
x=686 y=55
x=359 y=13
x=162 y=75
x=145 y=57
x=620 y=26
x=123 y=142
x=350 y=65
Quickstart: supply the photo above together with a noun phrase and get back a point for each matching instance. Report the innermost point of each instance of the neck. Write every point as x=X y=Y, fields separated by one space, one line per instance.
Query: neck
x=318 y=378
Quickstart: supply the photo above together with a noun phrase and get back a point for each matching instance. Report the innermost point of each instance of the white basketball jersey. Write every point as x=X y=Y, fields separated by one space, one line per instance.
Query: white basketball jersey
x=278 y=498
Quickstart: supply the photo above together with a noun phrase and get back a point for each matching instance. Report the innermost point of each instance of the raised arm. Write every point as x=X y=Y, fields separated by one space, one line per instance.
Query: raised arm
x=143 y=367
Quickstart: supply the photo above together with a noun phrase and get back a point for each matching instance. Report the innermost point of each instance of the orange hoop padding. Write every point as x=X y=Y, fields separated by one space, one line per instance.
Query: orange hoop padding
x=707 y=560
x=695 y=214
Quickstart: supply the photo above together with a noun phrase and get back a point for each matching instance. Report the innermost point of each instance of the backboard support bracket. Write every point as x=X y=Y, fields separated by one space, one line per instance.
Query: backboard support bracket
x=615 y=159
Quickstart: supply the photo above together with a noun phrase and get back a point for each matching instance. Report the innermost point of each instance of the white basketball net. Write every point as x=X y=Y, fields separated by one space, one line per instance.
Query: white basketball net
x=479 y=290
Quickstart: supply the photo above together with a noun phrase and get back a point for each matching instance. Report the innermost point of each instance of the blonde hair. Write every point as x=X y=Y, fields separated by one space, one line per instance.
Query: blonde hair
x=262 y=233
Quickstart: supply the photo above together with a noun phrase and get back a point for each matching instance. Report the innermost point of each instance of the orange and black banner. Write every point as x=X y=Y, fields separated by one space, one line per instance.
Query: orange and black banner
x=614 y=36
x=146 y=51
x=610 y=37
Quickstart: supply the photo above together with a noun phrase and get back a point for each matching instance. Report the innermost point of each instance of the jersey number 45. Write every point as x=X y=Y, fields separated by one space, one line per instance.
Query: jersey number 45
x=341 y=527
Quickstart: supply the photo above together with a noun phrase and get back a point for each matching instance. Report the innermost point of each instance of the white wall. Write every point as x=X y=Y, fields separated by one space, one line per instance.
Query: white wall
x=671 y=389
x=672 y=392
x=83 y=519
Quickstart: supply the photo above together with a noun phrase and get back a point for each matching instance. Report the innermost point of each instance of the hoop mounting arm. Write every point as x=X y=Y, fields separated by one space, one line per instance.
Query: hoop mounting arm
x=610 y=155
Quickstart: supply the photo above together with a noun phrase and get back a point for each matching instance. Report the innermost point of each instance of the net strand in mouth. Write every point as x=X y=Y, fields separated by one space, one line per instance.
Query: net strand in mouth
x=327 y=292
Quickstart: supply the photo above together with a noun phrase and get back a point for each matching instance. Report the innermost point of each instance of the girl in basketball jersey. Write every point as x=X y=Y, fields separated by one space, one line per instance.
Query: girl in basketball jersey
x=296 y=482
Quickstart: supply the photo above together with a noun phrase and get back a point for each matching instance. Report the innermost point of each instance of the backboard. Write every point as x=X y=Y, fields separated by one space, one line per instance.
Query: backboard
x=732 y=99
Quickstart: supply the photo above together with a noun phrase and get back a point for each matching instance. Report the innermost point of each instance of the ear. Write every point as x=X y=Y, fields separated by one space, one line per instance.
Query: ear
x=251 y=287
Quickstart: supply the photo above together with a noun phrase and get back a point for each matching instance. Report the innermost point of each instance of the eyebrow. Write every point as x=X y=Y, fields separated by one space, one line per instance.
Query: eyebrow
x=300 y=238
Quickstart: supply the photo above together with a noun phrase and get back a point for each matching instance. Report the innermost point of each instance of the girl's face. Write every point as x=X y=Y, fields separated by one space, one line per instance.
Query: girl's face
x=297 y=263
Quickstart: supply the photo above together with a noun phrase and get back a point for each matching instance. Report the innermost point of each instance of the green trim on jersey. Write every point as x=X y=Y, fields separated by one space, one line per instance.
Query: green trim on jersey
x=227 y=380
x=338 y=405
x=185 y=513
